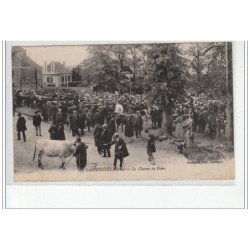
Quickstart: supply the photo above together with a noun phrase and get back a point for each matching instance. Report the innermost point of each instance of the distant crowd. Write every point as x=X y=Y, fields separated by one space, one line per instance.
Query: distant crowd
x=82 y=111
x=104 y=113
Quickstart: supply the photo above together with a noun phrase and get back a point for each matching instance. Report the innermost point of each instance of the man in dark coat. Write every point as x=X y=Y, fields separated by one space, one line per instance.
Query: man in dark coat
x=138 y=124
x=21 y=127
x=53 y=112
x=106 y=137
x=97 y=137
x=60 y=132
x=129 y=128
x=112 y=125
x=45 y=113
x=37 y=119
x=82 y=119
x=74 y=123
x=89 y=119
x=121 y=150
x=80 y=154
x=53 y=131
x=59 y=118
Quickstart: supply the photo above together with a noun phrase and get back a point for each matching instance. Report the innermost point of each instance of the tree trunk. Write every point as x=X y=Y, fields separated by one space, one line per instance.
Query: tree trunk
x=166 y=125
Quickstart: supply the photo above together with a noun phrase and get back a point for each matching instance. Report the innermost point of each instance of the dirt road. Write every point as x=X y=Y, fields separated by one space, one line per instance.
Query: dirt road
x=169 y=164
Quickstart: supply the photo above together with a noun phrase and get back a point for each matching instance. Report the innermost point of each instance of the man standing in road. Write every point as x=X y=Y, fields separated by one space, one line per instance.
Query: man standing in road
x=37 y=123
x=21 y=127
x=121 y=150
x=106 y=137
x=80 y=154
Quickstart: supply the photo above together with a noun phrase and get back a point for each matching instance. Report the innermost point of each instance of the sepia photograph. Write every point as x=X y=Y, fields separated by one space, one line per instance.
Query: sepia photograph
x=123 y=112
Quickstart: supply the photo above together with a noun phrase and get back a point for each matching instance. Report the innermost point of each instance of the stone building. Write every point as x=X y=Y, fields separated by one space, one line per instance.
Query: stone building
x=26 y=74
x=55 y=74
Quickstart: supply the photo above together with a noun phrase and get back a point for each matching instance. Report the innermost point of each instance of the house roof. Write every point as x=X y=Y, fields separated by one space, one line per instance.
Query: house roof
x=59 y=68
x=20 y=58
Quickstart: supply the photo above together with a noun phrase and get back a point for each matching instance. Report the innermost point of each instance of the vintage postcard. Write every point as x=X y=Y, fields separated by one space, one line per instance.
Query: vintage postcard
x=123 y=112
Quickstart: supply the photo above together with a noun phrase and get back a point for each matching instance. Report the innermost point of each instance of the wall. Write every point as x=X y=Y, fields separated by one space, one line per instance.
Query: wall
x=54 y=77
x=23 y=70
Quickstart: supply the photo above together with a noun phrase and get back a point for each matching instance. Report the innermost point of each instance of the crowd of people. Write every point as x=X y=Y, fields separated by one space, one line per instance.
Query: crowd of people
x=103 y=114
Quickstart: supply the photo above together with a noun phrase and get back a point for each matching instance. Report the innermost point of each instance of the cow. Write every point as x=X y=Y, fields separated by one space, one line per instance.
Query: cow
x=53 y=148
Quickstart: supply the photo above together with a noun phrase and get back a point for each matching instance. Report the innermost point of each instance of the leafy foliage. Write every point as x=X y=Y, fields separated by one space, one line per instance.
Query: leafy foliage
x=76 y=74
x=166 y=74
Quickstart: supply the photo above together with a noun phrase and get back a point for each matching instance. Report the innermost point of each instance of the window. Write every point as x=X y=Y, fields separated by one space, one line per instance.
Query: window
x=69 y=78
x=49 y=79
x=62 y=79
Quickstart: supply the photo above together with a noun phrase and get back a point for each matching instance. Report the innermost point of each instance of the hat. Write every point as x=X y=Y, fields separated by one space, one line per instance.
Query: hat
x=116 y=134
x=78 y=139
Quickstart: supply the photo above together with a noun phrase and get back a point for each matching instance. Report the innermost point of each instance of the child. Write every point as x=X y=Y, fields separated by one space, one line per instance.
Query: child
x=150 y=146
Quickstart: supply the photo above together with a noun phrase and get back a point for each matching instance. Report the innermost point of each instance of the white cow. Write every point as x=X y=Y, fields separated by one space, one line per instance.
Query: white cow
x=53 y=148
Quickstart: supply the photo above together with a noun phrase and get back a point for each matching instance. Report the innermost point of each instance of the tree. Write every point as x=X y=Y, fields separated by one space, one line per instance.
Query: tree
x=201 y=57
x=166 y=73
x=198 y=61
x=76 y=74
x=215 y=60
x=102 y=69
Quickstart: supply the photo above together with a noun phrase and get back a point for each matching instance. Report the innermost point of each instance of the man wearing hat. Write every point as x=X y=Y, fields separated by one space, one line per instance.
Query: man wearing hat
x=106 y=137
x=21 y=127
x=80 y=154
x=121 y=150
x=37 y=123
x=112 y=126
x=97 y=137
x=53 y=131
x=74 y=123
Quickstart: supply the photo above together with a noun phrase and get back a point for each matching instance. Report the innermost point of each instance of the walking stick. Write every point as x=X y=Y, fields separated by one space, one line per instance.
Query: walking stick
x=68 y=161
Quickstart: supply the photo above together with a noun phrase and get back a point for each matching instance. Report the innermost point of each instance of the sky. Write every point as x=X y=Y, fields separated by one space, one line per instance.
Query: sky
x=72 y=55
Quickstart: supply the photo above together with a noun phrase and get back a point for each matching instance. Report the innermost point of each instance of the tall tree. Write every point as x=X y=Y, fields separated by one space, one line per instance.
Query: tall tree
x=198 y=61
x=165 y=71
x=102 y=69
x=217 y=79
x=201 y=57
